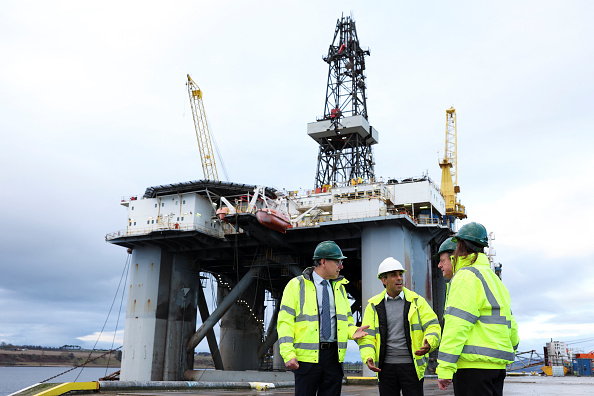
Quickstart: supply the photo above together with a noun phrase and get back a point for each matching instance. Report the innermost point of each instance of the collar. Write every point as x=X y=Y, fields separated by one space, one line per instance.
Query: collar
x=401 y=295
x=465 y=262
x=307 y=274
x=317 y=279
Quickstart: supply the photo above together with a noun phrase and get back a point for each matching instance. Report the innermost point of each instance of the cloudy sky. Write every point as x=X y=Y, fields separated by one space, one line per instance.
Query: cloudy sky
x=93 y=107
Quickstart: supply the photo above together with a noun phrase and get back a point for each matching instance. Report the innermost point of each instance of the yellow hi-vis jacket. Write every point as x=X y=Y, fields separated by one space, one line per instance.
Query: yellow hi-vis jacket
x=480 y=330
x=422 y=325
x=298 y=319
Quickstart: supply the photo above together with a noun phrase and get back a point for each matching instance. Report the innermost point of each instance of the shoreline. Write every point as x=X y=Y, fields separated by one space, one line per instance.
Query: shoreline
x=57 y=358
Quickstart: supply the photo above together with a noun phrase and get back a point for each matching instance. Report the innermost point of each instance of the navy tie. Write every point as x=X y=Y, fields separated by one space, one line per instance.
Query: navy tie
x=326 y=330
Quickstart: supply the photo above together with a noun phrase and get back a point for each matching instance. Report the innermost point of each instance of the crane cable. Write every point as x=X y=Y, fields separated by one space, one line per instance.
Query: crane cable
x=216 y=146
x=123 y=277
x=89 y=360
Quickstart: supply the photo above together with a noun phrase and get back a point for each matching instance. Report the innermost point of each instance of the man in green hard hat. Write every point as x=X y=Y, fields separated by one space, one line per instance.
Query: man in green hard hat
x=315 y=322
x=480 y=335
x=446 y=249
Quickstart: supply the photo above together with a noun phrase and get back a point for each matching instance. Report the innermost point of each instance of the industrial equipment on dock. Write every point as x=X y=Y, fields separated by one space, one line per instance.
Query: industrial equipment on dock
x=254 y=239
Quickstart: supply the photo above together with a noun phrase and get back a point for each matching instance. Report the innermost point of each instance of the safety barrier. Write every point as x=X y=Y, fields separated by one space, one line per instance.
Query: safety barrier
x=165 y=227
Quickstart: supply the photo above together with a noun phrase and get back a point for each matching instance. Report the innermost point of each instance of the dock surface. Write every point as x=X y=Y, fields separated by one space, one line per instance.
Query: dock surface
x=514 y=386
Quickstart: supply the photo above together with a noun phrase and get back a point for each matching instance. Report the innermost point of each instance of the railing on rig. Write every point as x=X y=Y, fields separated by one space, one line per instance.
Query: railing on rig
x=218 y=233
x=428 y=220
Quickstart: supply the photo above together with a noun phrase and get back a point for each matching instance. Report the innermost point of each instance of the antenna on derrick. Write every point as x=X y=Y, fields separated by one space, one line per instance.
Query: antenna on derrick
x=343 y=133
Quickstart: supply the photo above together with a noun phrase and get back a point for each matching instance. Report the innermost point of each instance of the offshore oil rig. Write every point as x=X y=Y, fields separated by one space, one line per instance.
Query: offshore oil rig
x=254 y=239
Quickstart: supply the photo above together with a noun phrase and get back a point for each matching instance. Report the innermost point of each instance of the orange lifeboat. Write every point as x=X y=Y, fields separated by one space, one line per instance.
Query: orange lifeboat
x=221 y=212
x=273 y=219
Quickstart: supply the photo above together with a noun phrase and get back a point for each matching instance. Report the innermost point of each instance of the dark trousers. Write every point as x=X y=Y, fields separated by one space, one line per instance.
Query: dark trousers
x=323 y=378
x=396 y=377
x=479 y=382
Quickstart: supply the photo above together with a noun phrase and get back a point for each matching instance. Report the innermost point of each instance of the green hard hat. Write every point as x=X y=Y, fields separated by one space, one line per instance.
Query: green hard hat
x=328 y=250
x=473 y=232
x=447 y=246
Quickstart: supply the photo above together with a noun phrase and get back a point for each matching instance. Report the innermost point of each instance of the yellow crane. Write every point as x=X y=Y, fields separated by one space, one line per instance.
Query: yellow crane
x=209 y=165
x=450 y=189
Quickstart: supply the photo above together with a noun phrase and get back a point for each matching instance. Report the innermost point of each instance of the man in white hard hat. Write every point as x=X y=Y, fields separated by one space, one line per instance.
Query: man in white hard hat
x=400 y=322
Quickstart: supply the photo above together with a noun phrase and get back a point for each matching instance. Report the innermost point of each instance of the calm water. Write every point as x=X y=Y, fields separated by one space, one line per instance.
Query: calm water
x=13 y=379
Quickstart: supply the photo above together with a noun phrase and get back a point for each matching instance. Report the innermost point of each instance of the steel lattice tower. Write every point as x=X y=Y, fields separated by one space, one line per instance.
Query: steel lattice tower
x=343 y=133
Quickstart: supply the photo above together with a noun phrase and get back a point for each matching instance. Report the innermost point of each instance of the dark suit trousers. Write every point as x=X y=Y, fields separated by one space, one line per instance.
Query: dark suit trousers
x=479 y=382
x=323 y=378
x=396 y=377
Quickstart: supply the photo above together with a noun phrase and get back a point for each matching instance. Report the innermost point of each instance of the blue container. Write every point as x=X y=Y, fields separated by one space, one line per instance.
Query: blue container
x=584 y=367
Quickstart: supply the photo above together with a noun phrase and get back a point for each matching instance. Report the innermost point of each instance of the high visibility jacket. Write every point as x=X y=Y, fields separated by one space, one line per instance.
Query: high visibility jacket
x=480 y=330
x=298 y=319
x=419 y=319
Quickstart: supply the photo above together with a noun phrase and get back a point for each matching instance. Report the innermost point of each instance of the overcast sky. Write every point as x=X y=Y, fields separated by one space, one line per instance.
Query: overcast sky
x=93 y=107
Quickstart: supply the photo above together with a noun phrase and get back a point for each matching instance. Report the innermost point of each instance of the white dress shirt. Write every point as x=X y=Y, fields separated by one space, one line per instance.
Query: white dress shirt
x=319 y=288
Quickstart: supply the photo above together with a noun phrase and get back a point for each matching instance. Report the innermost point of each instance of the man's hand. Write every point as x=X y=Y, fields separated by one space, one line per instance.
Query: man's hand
x=360 y=333
x=424 y=349
x=371 y=366
x=293 y=364
x=443 y=383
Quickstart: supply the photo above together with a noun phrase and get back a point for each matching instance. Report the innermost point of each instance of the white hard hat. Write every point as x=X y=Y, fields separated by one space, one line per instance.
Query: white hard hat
x=388 y=265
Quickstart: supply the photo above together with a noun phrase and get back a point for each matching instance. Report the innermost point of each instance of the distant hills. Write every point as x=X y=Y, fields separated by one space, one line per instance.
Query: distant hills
x=25 y=356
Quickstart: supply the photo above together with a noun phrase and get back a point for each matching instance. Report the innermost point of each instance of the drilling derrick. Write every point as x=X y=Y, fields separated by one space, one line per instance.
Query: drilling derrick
x=449 y=169
x=343 y=133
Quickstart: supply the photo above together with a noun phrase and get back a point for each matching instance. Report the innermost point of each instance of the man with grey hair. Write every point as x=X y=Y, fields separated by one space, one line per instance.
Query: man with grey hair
x=315 y=322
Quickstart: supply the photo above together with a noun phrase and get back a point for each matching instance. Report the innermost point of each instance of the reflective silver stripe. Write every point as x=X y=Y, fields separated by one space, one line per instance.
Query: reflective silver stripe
x=288 y=310
x=285 y=339
x=416 y=326
x=306 y=318
x=365 y=346
x=421 y=361
x=494 y=320
x=490 y=297
x=490 y=352
x=431 y=322
x=371 y=332
x=447 y=357
x=301 y=292
x=342 y=291
x=459 y=313
x=495 y=317
x=311 y=346
x=342 y=317
x=419 y=315
x=436 y=335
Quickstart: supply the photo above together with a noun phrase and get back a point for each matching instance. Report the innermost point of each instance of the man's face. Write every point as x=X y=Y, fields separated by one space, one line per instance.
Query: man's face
x=445 y=265
x=394 y=282
x=330 y=268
